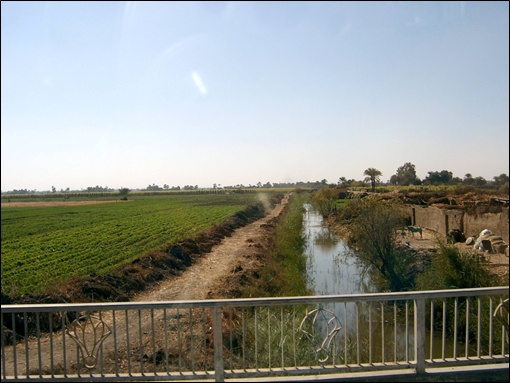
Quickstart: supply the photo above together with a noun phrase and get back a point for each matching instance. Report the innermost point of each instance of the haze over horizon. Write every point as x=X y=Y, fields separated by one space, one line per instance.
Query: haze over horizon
x=130 y=94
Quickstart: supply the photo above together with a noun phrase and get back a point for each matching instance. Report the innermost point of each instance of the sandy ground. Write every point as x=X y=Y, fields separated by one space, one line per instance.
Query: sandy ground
x=429 y=240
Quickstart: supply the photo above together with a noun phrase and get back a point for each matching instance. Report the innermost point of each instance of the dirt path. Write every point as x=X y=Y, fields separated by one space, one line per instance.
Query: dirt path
x=198 y=281
x=201 y=281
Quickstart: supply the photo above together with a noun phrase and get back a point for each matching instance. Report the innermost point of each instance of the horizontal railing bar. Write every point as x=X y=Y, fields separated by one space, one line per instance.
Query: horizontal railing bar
x=261 y=372
x=273 y=301
x=111 y=377
x=460 y=361
x=232 y=374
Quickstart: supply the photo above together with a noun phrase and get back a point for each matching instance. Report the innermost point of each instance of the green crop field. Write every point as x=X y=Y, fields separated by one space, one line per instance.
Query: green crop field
x=42 y=245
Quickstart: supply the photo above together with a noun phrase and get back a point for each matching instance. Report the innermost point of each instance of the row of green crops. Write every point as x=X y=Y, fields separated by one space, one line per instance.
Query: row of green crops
x=42 y=246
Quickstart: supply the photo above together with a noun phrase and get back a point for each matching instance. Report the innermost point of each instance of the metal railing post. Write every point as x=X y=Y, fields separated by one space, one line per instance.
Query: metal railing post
x=419 y=335
x=219 y=370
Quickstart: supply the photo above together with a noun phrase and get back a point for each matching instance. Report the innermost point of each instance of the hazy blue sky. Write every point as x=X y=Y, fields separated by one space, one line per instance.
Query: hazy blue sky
x=127 y=94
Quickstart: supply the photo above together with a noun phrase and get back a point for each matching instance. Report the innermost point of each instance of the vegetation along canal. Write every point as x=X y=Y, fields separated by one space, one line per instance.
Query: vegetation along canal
x=334 y=269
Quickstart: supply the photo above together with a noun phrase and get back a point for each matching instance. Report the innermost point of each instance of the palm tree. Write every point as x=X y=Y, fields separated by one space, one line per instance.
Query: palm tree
x=373 y=175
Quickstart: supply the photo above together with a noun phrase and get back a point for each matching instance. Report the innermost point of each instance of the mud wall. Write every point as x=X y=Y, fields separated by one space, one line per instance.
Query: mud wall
x=474 y=223
x=471 y=223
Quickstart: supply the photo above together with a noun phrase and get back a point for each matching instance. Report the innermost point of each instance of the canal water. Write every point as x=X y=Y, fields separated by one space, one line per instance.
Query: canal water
x=333 y=268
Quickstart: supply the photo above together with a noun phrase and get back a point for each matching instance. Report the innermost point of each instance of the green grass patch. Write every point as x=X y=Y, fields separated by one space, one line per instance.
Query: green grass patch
x=340 y=203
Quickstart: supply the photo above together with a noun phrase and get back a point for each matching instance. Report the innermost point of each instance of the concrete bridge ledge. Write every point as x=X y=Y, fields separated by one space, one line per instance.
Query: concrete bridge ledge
x=484 y=373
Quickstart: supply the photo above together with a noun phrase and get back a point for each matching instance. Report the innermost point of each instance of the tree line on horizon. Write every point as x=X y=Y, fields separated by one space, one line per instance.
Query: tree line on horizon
x=405 y=176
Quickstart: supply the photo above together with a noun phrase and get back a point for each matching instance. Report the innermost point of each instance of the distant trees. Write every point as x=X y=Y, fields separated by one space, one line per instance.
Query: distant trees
x=480 y=181
x=153 y=187
x=373 y=176
x=97 y=188
x=405 y=176
x=437 y=178
x=445 y=177
x=21 y=191
x=124 y=192
x=468 y=179
x=501 y=180
x=501 y=183
x=342 y=181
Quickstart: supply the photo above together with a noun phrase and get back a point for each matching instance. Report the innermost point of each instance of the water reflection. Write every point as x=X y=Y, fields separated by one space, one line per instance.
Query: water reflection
x=331 y=266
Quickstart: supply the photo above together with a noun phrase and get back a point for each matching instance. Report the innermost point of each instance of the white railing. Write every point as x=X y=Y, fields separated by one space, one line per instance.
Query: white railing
x=251 y=338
